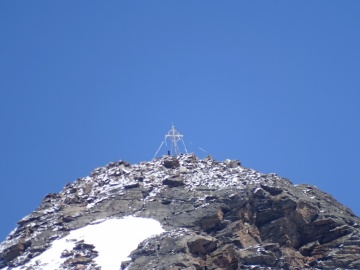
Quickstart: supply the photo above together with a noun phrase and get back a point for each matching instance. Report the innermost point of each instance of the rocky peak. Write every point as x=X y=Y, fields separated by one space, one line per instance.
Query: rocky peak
x=216 y=215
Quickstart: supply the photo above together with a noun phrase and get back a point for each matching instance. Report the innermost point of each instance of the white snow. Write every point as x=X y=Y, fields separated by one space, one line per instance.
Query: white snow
x=114 y=239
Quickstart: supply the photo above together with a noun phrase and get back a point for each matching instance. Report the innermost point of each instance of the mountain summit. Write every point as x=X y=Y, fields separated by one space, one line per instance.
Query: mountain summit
x=181 y=212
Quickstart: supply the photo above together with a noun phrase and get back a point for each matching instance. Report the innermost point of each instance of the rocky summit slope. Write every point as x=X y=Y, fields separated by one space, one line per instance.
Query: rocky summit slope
x=216 y=215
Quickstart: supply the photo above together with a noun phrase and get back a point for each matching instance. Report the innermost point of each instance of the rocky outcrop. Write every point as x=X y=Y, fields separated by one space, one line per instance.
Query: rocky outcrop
x=217 y=215
x=80 y=257
x=173 y=181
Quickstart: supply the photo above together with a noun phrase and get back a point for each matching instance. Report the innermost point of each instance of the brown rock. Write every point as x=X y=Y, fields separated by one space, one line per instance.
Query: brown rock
x=15 y=250
x=78 y=260
x=211 y=222
x=223 y=258
x=200 y=245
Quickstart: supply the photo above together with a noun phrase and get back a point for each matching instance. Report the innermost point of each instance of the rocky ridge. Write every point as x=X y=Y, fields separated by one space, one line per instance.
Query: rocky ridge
x=217 y=215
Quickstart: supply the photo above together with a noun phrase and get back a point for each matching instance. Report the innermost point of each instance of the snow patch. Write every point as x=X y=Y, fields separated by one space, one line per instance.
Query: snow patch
x=114 y=239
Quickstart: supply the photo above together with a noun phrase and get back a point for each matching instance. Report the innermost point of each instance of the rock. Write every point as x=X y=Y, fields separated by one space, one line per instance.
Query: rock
x=174 y=181
x=183 y=170
x=209 y=223
x=131 y=185
x=139 y=178
x=223 y=258
x=217 y=215
x=81 y=266
x=259 y=256
x=72 y=200
x=12 y=252
x=81 y=245
x=171 y=163
x=68 y=218
x=233 y=164
x=307 y=249
x=272 y=190
x=49 y=197
x=77 y=260
x=87 y=189
x=66 y=253
x=200 y=245
x=125 y=264
x=2 y=263
x=167 y=251
x=37 y=249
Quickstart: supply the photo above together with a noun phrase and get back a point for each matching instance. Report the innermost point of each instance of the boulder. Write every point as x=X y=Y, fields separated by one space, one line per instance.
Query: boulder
x=171 y=163
x=174 y=181
x=201 y=245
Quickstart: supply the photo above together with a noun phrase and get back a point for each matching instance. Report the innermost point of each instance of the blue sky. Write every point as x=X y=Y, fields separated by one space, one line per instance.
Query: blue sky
x=275 y=84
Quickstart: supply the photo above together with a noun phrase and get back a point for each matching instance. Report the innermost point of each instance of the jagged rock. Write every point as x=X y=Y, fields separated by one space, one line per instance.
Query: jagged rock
x=13 y=251
x=167 y=251
x=171 y=163
x=217 y=215
x=68 y=218
x=78 y=260
x=139 y=178
x=232 y=163
x=200 y=245
x=125 y=264
x=268 y=255
x=211 y=222
x=66 y=253
x=72 y=200
x=81 y=245
x=87 y=188
x=174 y=181
x=272 y=190
x=131 y=185
x=223 y=258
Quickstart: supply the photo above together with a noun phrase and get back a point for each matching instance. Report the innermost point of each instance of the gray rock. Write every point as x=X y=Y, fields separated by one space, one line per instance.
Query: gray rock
x=171 y=163
x=174 y=181
x=201 y=245
x=131 y=185
x=217 y=215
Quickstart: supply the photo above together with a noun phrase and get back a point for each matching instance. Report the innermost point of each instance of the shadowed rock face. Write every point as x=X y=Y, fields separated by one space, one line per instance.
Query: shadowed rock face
x=217 y=215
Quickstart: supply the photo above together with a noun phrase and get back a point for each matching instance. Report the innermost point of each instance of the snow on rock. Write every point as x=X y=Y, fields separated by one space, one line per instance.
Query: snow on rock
x=114 y=239
x=258 y=220
x=86 y=199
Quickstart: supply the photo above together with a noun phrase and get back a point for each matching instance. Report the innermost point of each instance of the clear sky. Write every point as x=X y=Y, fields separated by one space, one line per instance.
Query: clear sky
x=275 y=84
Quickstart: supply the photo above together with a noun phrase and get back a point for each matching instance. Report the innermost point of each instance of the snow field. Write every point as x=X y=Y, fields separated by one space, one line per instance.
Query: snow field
x=114 y=239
